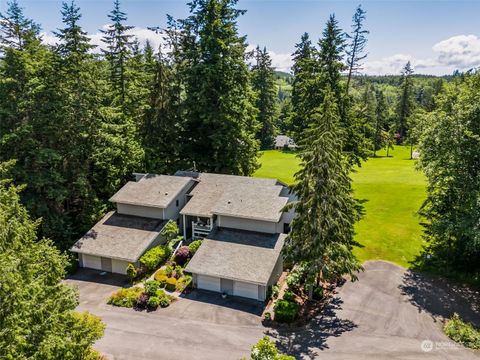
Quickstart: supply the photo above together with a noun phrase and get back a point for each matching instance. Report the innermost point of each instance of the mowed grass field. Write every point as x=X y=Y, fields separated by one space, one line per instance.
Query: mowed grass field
x=393 y=190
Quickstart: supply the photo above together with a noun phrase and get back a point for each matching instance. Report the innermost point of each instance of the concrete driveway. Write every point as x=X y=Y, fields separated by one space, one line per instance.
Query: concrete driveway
x=388 y=314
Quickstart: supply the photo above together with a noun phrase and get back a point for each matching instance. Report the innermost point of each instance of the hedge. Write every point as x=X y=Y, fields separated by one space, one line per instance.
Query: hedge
x=154 y=257
x=286 y=311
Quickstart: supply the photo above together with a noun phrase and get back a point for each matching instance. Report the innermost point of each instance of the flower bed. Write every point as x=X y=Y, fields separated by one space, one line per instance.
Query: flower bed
x=149 y=297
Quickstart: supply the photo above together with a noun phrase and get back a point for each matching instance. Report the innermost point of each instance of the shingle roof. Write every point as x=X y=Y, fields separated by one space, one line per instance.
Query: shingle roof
x=152 y=190
x=239 y=196
x=118 y=236
x=238 y=255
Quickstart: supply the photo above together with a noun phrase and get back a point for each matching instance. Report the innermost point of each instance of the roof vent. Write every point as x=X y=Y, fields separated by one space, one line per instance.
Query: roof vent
x=166 y=193
x=229 y=202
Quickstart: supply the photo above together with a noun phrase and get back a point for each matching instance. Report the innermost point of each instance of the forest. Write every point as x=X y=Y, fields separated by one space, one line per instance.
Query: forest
x=76 y=122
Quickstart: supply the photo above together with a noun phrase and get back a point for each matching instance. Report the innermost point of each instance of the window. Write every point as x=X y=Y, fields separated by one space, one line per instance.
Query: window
x=286 y=228
x=176 y=202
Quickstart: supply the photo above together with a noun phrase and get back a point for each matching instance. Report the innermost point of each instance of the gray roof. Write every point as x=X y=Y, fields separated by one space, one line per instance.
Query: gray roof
x=237 y=196
x=238 y=255
x=118 y=236
x=282 y=140
x=152 y=190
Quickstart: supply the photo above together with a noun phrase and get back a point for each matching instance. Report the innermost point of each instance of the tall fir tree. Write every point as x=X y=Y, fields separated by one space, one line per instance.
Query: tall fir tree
x=119 y=47
x=322 y=232
x=404 y=103
x=16 y=30
x=381 y=117
x=263 y=84
x=220 y=121
x=358 y=41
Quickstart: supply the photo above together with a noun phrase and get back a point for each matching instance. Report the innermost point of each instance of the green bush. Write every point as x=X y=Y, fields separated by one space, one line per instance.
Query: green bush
x=151 y=287
x=169 y=270
x=462 y=332
x=183 y=283
x=125 y=297
x=318 y=293
x=154 y=257
x=286 y=311
x=164 y=299
x=171 y=284
x=194 y=245
x=178 y=273
x=265 y=349
x=153 y=302
x=131 y=272
x=289 y=296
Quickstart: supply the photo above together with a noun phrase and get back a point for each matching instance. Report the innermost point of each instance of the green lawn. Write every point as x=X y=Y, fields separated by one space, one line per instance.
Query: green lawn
x=394 y=191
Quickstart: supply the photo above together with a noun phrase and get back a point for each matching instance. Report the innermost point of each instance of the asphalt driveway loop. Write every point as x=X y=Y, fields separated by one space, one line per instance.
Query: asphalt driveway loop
x=390 y=313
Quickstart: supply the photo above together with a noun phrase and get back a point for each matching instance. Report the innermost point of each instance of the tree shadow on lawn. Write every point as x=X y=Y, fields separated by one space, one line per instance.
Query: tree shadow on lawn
x=305 y=341
x=441 y=297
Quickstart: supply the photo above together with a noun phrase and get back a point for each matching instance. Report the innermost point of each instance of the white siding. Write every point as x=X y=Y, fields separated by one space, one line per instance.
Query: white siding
x=247 y=224
x=246 y=290
x=136 y=210
x=208 y=283
x=92 y=262
x=119 y=266
x=172 y=211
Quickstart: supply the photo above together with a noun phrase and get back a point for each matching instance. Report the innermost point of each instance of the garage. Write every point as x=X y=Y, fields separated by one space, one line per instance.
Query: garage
x=92 y=262
x=246 y=290
x=119 y=266
x=208 y=283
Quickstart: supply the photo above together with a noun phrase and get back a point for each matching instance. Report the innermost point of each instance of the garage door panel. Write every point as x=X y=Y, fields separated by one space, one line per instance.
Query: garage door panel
x=119 y=266
x=208 y=283
x=92 y=262
x=246 y=290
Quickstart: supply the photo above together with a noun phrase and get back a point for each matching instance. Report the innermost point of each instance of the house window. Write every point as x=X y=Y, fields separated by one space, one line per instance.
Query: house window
x=176 y=202
x=286 y=228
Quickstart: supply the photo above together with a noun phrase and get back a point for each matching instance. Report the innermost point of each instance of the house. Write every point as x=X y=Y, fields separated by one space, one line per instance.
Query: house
x=143 y=208
x=241 y=220
x=243 y=225
x=283 y=141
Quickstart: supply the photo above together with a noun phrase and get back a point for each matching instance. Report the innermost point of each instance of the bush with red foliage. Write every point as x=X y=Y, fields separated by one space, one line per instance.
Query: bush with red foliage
x=182 y=255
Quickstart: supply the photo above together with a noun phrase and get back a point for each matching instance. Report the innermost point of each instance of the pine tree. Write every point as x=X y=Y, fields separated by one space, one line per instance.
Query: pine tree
x=37 y=317
x=263 y=84
x=405 y=104
x=15 y=29
x=322 y=232
x=355 y=51
x=380 y=122
x=119 y=46
x=220 y=124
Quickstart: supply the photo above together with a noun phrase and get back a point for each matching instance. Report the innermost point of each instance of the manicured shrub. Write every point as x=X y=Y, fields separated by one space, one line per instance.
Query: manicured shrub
x=169 y=270
x=193 y=247
x=285 y=311
x=183 y=283
x=178 y=272
x=165 y=301
x=125 y=297
x=131 y=272
x=141 y=301
x=171 y=284
x=162 y=279
x=182 y=255
x=153 y=302
x=265 y=349
x=318 y=293
x=268 y=316
x=462 y=332
x=154 y=257
x=289 y=296
x=151 y=287
x=275 y=291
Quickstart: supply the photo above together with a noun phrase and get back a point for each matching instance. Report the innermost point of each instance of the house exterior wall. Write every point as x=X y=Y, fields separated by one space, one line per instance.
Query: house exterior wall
x=138 y=210
x=172 y=211
x=247 y=224
x=277 y=271
x=119 y=266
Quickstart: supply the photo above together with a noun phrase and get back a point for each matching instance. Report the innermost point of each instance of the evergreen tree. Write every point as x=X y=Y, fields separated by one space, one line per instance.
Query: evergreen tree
x=304 y=72
x=404 y=103
x=119 y=46
x=263 y=84
x=15 y=29
x=220 y=124
x=380 y=122
x=358 y=41
x=322 y=231
x=37 y=317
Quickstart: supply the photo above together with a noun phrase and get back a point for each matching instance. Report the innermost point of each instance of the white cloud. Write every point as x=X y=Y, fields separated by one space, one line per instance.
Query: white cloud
x=395 y=63
x=142 y=35
x=281 y=62
x=461 y=52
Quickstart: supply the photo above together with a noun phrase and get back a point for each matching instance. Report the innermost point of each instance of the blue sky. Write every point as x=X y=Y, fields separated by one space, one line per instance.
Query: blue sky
x=437 y=36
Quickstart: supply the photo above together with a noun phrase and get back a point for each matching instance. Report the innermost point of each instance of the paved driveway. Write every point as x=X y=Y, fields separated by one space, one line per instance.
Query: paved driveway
x=385 y=315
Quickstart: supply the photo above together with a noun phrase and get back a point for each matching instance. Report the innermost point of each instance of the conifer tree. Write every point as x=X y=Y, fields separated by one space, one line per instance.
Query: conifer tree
x=322 y=231
x=119 y=46
x=380 y=122
x=404 y=103
x=220 y=123
x=263 y=84
x=16 y=30
x=358 y=41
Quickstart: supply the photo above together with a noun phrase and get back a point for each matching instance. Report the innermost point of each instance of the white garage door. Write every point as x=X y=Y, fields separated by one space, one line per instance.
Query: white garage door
x=92 y=262
x=208 y=283
x=119 y=266
x=245 y=290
